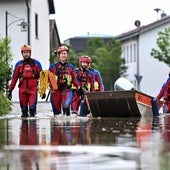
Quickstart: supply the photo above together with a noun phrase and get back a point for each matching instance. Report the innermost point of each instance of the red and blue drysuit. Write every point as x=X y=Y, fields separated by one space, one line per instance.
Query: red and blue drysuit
x=27 y=72
x=85 y=77
x=62 y=97
x=98 y=82
x=165 y=94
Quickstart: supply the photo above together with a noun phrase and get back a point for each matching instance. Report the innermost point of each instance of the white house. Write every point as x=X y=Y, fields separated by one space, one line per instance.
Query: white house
x=147 y=73
x=35 y=15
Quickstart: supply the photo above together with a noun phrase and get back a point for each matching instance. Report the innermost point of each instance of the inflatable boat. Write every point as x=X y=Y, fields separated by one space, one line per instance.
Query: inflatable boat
x=123 y=101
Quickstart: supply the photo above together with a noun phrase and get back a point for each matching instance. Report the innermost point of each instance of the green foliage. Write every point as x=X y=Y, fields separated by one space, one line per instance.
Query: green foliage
x=5 y=104
x=107 y=59
x=5 y=63
x=74 y=58
x=52 y=56
x=93 y=44
x=163 y=43
x=5 y=74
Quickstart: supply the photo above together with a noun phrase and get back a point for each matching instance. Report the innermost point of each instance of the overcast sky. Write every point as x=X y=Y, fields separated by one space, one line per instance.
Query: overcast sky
x=108 y=17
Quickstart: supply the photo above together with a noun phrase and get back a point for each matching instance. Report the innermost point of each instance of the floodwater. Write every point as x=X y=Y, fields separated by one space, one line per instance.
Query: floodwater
x=47 y=143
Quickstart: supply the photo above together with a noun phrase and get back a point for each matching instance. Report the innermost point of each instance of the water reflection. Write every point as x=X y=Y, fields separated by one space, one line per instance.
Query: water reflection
x=48 y=143
x=70 y=132
x=28 y=133
x=164 y=149
x=144 y=132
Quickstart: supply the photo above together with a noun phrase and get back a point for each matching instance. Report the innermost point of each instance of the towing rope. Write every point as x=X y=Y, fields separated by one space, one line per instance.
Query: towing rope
x=43 y=82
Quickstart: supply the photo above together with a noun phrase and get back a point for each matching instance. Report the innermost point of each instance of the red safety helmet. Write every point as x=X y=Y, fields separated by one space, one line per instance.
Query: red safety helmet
x=25 y=48
x=84 y=59
x=90 y=59
x=62 y=48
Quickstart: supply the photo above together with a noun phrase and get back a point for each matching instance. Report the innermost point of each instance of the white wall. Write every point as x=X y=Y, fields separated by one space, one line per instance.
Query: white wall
x=154 y=72
x=42 y=44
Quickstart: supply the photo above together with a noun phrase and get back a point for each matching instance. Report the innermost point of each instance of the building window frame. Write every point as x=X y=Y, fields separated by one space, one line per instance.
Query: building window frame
x=36 y=26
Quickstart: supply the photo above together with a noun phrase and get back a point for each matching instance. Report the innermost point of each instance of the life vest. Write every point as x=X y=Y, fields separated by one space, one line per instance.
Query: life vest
x=27 y=71
x=62 y=74
x=96 y=85
x=82 y=77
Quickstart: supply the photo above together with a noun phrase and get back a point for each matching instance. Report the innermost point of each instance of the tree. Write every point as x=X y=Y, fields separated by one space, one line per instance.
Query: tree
x=53 y=56
x=163 y=43
x=107 y=59
x=74 y=57
x=5 y=63
x=5 y=74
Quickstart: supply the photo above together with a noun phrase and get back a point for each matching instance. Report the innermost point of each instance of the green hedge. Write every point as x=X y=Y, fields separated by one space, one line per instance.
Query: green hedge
x=5 y=104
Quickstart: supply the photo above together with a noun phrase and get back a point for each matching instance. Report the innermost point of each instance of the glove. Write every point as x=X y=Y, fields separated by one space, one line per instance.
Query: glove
x=43 y=96
x=9 y=94
x=36 y=74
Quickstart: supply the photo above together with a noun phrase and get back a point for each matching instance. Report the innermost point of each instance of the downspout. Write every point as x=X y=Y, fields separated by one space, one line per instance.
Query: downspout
x=138 y=76
x=138 y=73
x=28 y=20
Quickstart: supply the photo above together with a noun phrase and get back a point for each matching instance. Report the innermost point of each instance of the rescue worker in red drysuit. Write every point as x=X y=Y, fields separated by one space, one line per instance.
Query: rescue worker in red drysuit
x=27 y=72
x=163 y=96
x=65 y=75
x=167 y=94
x=98 y=82
x=85 y=77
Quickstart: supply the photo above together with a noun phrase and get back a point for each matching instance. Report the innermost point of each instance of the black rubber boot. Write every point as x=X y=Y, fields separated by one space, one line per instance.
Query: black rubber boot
x=66 y=110
x=32 y=112
x=24 y=111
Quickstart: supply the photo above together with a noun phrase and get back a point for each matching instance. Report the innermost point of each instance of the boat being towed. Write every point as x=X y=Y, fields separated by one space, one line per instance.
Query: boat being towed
x=124 y=101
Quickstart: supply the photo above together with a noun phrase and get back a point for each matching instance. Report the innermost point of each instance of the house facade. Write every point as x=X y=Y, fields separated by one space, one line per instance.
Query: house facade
x=35 y=32
x=144 y=71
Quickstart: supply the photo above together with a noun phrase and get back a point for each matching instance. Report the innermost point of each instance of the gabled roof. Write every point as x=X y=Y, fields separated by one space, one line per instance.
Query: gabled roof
x=142 y=29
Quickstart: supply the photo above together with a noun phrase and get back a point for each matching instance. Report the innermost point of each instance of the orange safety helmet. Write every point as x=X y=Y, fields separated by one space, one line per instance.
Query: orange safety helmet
x=62 y=48
x=25 y=48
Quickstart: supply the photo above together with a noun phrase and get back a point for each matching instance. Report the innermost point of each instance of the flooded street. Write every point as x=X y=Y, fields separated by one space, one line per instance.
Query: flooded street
x=48 y=143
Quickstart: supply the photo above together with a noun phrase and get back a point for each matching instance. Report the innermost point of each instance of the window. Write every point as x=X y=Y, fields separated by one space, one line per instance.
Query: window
x=135 y=53
x=36 y=25
x=127 y=54
x=131 y=53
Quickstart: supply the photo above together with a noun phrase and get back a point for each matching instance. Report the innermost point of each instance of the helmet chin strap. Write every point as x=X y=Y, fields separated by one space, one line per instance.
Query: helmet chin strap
x=27 y=59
